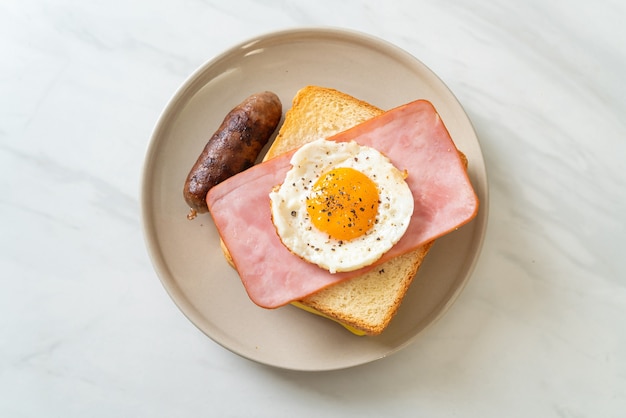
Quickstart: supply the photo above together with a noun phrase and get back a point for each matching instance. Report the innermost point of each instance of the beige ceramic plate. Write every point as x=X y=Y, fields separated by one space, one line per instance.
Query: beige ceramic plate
x=186 y=254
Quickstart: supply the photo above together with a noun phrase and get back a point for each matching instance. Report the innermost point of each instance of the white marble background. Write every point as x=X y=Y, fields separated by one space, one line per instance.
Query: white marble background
x=86 y=329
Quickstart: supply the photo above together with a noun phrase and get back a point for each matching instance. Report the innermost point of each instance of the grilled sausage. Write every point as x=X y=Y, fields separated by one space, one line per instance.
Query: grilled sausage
x=234 y=147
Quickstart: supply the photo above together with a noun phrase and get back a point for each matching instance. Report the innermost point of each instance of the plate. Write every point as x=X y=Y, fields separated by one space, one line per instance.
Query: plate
x=186 y=254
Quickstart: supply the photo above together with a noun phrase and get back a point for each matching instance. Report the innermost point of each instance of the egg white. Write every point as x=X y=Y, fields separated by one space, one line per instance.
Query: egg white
x=301 y=237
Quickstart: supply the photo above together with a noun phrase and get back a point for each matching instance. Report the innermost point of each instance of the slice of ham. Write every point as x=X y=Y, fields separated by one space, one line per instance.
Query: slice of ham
x=412 y=136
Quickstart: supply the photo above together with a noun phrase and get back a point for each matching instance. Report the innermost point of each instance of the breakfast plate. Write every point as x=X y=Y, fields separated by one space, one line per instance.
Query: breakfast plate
x=186 y=253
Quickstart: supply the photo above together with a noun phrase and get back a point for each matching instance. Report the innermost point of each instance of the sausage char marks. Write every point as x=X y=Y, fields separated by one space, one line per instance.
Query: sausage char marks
x=233 y=147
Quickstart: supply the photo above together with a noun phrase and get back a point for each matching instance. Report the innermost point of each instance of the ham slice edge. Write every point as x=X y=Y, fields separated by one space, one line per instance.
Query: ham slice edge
x=412 y=136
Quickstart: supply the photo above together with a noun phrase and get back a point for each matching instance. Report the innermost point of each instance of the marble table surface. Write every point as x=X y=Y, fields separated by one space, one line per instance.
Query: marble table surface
x=87 y=329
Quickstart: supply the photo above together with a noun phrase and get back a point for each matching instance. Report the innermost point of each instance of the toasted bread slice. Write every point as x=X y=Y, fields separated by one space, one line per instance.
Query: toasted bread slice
x=366 y=304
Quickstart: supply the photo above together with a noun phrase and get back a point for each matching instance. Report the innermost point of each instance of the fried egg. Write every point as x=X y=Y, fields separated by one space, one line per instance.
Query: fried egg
x=341 y=206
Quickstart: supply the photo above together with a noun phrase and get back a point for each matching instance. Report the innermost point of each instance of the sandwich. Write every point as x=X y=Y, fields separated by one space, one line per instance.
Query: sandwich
x=363 y=299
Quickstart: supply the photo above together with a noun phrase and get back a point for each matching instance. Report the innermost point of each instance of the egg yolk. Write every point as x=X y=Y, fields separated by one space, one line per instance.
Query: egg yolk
x=343 y=203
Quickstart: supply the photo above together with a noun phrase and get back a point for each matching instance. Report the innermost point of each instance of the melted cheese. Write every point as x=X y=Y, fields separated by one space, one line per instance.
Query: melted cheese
x=353 y=330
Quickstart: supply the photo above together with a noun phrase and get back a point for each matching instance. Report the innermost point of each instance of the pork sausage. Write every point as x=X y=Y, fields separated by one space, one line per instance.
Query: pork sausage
x=234 y=147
